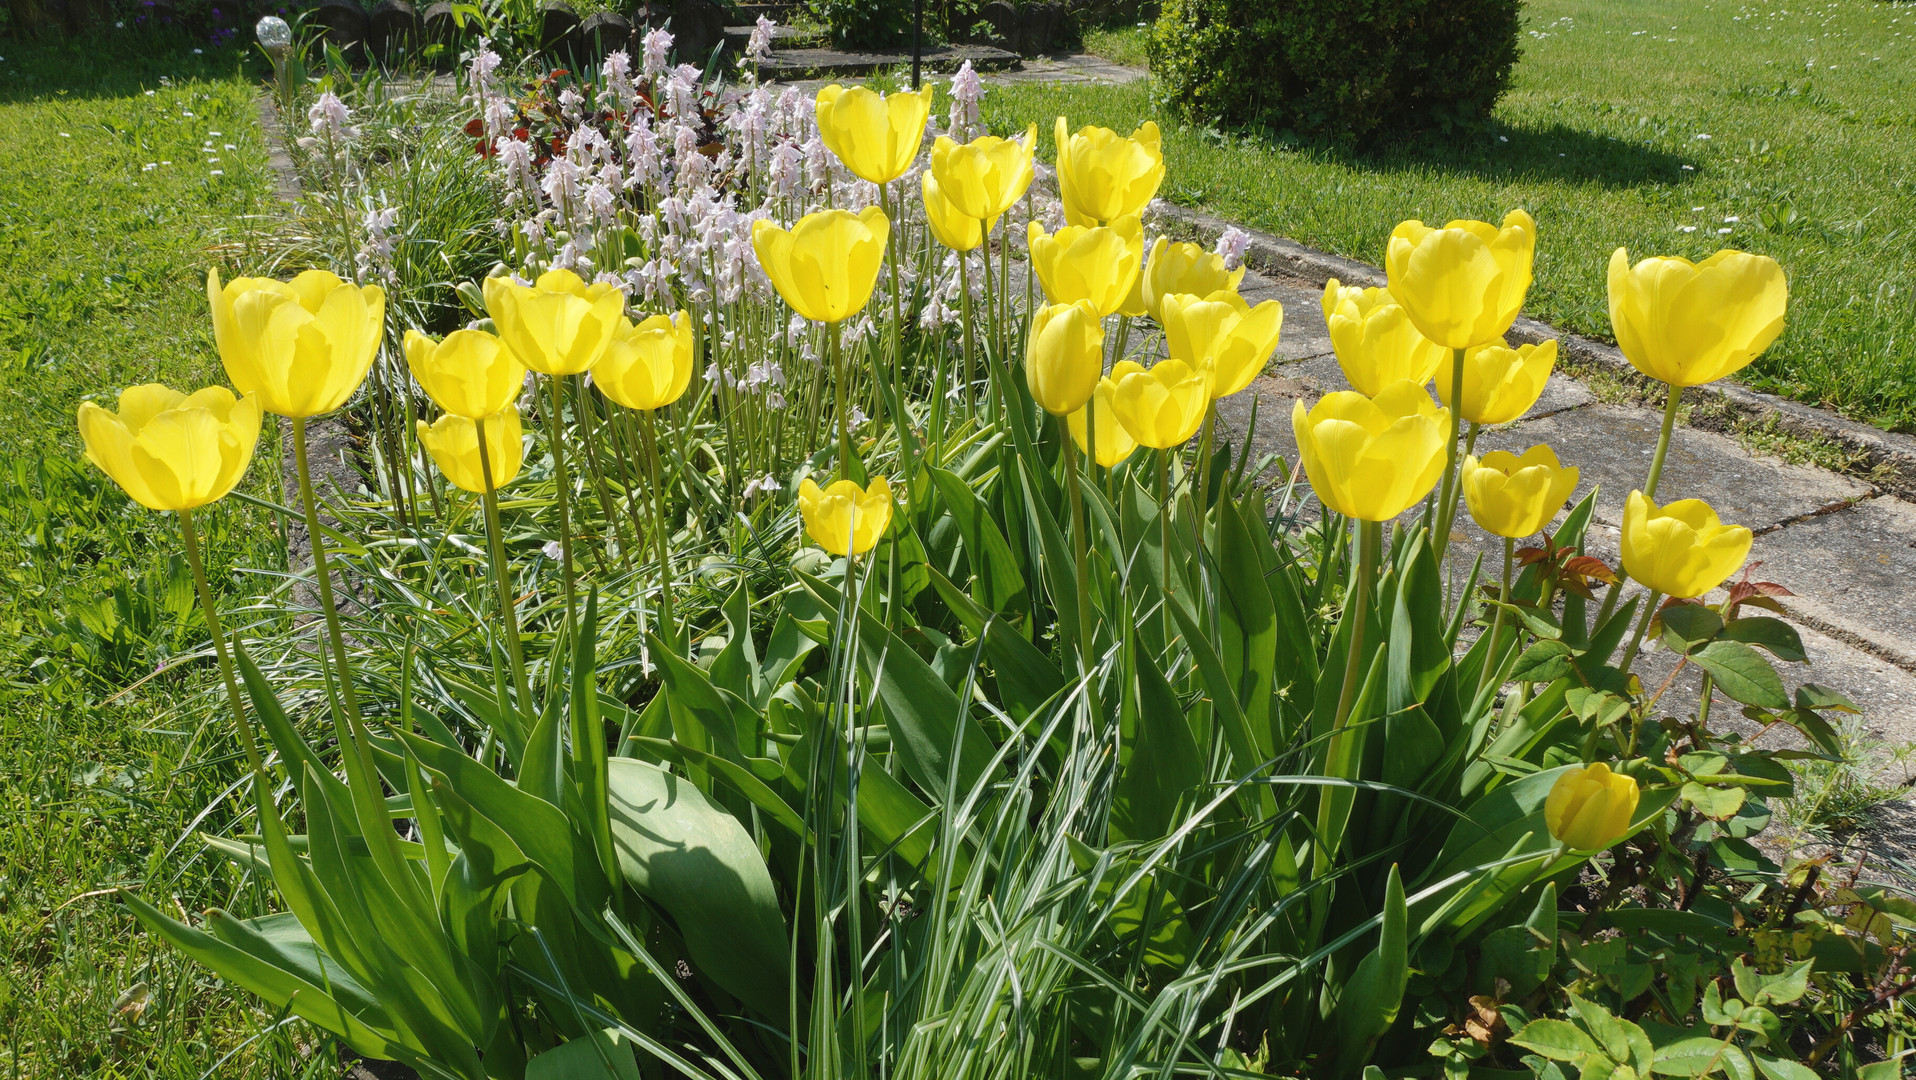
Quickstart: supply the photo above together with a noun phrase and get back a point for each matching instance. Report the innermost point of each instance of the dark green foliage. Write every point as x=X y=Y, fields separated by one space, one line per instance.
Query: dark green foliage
x=866 y=22
x=1344 y=71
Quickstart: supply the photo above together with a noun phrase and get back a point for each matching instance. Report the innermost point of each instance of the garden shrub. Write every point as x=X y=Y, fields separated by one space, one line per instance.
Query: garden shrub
x=866 y=22
x=1345 y=71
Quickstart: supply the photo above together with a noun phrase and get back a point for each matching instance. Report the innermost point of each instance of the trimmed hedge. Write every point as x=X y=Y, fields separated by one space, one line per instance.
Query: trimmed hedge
x=1344 y=71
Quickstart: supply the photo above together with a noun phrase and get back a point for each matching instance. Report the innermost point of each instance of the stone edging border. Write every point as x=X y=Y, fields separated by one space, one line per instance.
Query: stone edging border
x=1885 y=460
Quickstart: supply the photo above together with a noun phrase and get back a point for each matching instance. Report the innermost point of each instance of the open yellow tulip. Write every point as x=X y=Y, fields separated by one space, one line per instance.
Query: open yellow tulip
x=1375 y=342
x=470 y=373
x=172 y=451
x=302 y=345
x=844 y=518
x=1372 y=458
x=1176 y=267
x=1098 y=264
x=1163 y=407
x=985 y=176
x=453 y=442
x=1515 y=496
x=557 y=326
x=1463 y=284
x=1590 y=808
x=826 y=264
x=1222 y=336
x=1680 y=549
x=876 y=135
x=1500 y=383
x=648 y=366
x=1114 y=442
x=950 y=226
x=1064 y=356
x=1103 y=176
x=1691 y=323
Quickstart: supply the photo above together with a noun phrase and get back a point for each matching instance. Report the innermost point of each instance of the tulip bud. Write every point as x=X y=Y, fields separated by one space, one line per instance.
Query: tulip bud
x=1691 y=323
x=985 y=176
x=1375 y=342
x=1590 y=808
x=1515 y=496
x=1222 y=336
x=470 y=373
x=1372 y=458
x=1463 y=284
x=1099 y=265
x=1114 y=442
x=303 y=346
x=1500 y=383
x=170 y=451
x=1163 y=407
x=826 y=265
x=1102 y=176
x=648 y=366
x=453 y=442
x=558 y=326
x=844 y=518
x=1184 y=268
x=1064 y=356
x=1680 y=549
x=876 y=135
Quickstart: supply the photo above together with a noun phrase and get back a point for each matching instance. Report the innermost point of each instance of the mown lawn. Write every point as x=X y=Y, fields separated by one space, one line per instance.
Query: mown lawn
x=1667 y=126
x=130 y=166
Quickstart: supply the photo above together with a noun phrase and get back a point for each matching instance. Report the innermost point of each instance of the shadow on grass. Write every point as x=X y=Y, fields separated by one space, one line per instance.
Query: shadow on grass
x=119 y=63
x=1557 y=152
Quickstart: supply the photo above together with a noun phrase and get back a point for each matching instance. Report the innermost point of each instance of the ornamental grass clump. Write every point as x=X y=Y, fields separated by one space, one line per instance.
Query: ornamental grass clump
x=791 y=695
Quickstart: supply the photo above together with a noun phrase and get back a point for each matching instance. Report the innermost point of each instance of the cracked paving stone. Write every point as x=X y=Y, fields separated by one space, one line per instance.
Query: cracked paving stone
x=1853 y=571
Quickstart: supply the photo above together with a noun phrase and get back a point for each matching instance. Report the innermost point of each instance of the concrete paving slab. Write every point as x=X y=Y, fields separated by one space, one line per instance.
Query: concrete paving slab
x=1853 y=572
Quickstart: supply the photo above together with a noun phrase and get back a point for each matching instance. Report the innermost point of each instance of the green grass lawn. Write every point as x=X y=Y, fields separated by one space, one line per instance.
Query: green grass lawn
x=1667 y=126
x=130 y=167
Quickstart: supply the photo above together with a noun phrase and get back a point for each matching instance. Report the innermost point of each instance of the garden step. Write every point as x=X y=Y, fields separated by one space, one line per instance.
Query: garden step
x=788 y=65
x=784 y=38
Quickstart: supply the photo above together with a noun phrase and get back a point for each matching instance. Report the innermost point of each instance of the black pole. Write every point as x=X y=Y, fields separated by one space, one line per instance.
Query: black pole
x=917 y=39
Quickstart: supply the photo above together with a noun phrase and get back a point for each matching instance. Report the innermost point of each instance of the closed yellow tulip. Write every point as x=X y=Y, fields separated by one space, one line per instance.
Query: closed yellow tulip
x=1064 y=356
x=844 y=518
x=1372 y=458
x=558 y=325
x=648 y=366
x=1164 y=406
x=824 y=266
x=1375 y=342
x=1114 y=442
x=1098 y=264
x=453 y=442
x=950 y=226
x=1590 y=808
x=1222 y=336
x=1680 y=549
x=876 y=135
x=302 y=345
x=1500 y=383
x=172 y=451
x=1691 y=323
x=1463 y=284
x=470 y=373
x=1516 y=496
x=985 y=176
x=1103 y=176
x=1176 y=267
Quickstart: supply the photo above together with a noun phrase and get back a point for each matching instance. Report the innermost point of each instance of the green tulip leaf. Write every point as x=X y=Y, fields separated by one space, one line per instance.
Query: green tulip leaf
x=602 y=1055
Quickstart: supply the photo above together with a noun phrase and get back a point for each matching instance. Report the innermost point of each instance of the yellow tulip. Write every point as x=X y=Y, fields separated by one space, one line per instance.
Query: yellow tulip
x=1375 y=342
x=1064 y=356
x=1176 y=267
x=876 y=135
x=1590 y=808
x=950 y=226
x=1163 y=407
x=1516 y=496
x=1114 y=442
x=470 y=373
x=1372 y=458
x=824 y=266
x=985 y=176
x=1500 y=383
x=844 y=518
x=1691 y=323
x=557 y=326
x=1098 y=264
x=303 y=345
x=1680 y=549
x=1223 y=336
x=1103 y=176
x=1463 y=284
x=171 y=451
x=453 y=442
x=648 y=366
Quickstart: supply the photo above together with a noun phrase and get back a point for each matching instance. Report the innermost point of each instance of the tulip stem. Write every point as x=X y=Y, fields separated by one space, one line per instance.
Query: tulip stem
x=840 y=392
x=659 y=533
x=1078 y=547
x=1643 y=626
x=1663 y=441
x=555 y=404
x=1447 y=500
x=1370 y=539
x=964 y=300
x=1497 y=623
x=502 y=583
x=218 y=635
x=321 y=572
